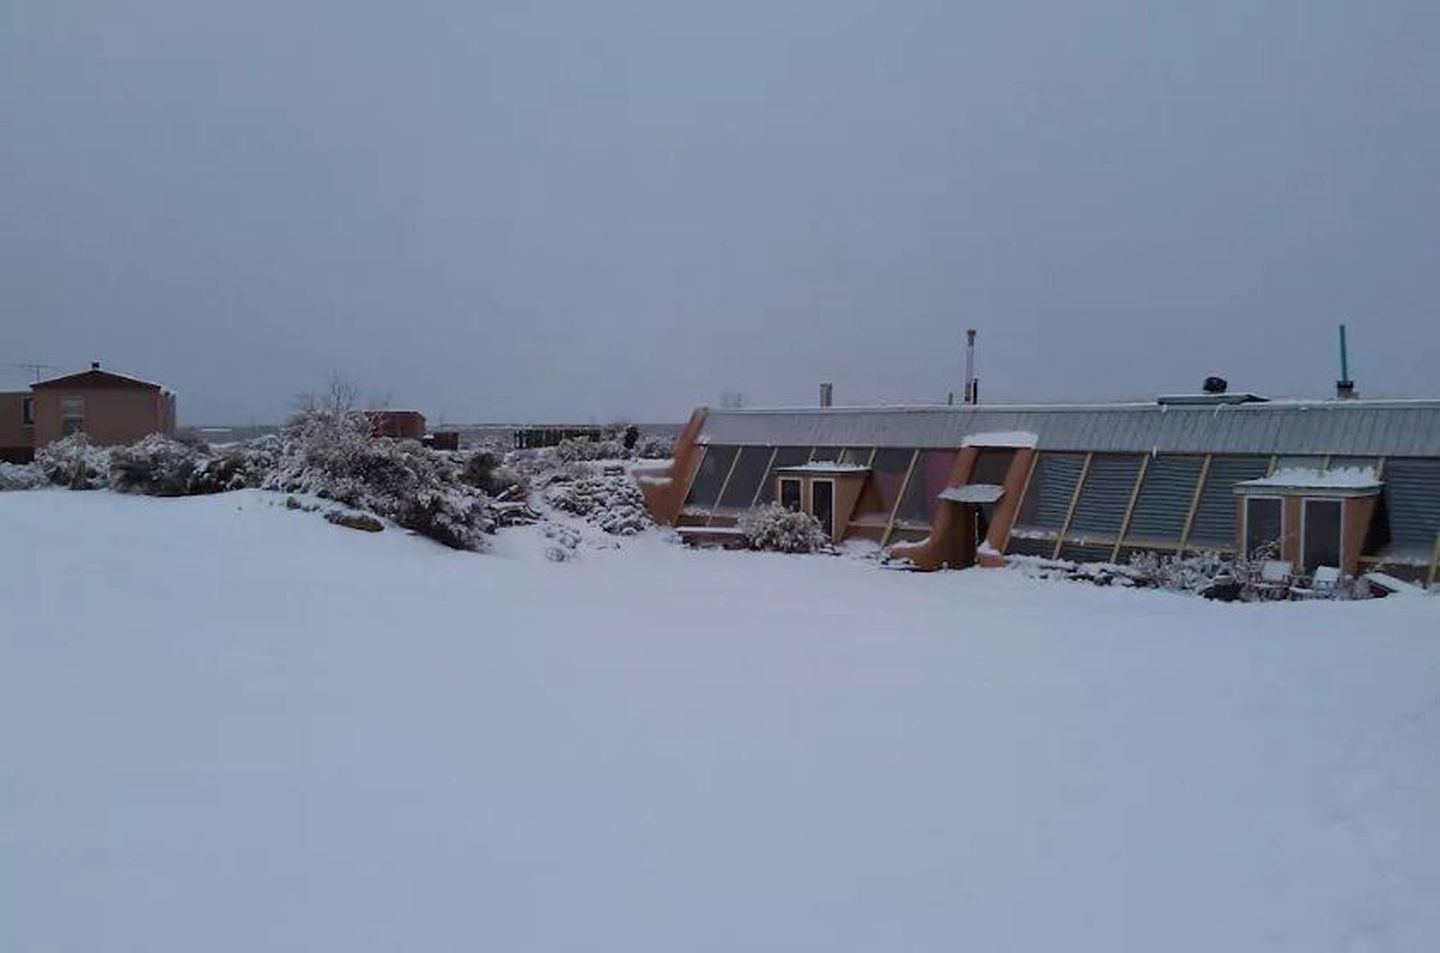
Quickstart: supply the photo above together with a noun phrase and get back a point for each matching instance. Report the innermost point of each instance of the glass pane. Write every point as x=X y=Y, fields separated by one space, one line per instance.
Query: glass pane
x=822 y=504
x=1322 y=533
x=887 y=475
x=858 y=456
x=991 y=466
x=1299 y=463
x=1412 y=506
x=1106 y=494
x=1165 y=497
x=713 y=468
x=826 y=454
x=931 y=475
x=1215 y=518
x=745 y=479
x=784 y=457
x=1052 y=484
x=790 y=493
x=1262 y=528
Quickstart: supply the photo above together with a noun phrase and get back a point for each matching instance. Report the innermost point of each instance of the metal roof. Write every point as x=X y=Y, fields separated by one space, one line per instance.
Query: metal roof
x=1408 y=428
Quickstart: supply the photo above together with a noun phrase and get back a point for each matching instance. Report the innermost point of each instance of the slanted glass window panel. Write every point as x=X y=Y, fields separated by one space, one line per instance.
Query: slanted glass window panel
x=887 y=473
x=1214 y=524
x=930 y=476
x=827 y=454
x=784 y=457
x=1052 y=484
x=1076 y=553
x=991 y=466
x=1262 y=527
x=1355 y=463
x=1105 y=495
x=705 y=488
x=1412 y=505
x=750 y=470
x=1026 y=546
x=1165 y=497
x=1299 y=463
x=858 y=456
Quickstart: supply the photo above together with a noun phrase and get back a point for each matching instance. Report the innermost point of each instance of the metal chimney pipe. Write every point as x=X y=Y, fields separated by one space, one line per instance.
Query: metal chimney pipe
x=827 y=394
x=1344 y=387
x=970 y=395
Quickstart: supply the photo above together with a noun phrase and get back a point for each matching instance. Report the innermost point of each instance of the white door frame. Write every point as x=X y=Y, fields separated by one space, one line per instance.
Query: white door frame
x=810 y=500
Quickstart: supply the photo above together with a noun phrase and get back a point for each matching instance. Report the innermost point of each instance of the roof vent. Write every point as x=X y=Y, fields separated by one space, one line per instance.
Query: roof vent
x=1215 y=385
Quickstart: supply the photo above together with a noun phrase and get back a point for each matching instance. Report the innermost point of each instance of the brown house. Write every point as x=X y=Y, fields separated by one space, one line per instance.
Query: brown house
x=108 y=408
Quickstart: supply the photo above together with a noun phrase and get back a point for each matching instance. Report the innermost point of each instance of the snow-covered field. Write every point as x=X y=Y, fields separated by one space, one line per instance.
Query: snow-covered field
x=225 y=726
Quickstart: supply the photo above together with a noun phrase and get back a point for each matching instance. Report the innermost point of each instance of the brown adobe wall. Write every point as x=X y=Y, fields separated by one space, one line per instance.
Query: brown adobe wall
x=664 y=488
x=17 y=440
x=113 y=415
x=952 y=533
x=1008 y=508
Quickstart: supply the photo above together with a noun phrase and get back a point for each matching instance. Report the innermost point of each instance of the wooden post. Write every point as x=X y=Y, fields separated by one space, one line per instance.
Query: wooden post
x=1130 y=508
x=1074 y=499
x=1024 y=489
x=1434 y=562
x=904 y=485
x=723 y=485
x=1194 y=505
x=769 y=475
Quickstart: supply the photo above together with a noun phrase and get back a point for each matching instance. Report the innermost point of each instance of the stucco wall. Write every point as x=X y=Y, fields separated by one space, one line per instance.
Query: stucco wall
x=112 y=415
x=17 y=441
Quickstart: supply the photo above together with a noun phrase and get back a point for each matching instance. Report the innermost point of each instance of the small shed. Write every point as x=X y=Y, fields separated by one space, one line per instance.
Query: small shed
x=1309 y=516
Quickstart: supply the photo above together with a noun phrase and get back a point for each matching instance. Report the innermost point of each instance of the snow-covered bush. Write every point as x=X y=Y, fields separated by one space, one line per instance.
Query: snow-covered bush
x=329 y=453
x=155 y=466
x=655 y=447
x=71 y=461
x=238 y=466
x=773 y=527
x=564 y=542
x=1195 y=573
x=22 y=476
x=610 y=500
x=486 y=470
x=579 y=448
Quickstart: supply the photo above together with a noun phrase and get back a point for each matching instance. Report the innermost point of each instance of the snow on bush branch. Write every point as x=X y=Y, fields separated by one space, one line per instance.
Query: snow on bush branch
x=773 y=527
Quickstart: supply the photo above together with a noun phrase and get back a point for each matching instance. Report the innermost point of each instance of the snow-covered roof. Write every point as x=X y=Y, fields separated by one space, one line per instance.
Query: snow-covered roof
x=1353 y=479
x=973 y=493
x=97 y=377
x=1003 y=438
x=1350 y=427
x=824 y=467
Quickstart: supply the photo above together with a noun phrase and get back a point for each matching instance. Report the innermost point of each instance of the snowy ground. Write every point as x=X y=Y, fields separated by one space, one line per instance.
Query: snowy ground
x=225 y=726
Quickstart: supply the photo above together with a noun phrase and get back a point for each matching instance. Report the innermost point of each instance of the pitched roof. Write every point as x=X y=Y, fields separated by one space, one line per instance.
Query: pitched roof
x=96 y=379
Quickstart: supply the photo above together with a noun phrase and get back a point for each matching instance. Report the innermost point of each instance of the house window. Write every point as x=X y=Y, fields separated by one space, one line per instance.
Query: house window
x=72 y=415
x=790 y=493
x=1263 y=527
x=27 y=411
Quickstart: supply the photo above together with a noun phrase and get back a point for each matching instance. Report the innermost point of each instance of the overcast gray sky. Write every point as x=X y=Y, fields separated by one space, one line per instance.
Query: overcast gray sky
x=567 y=210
